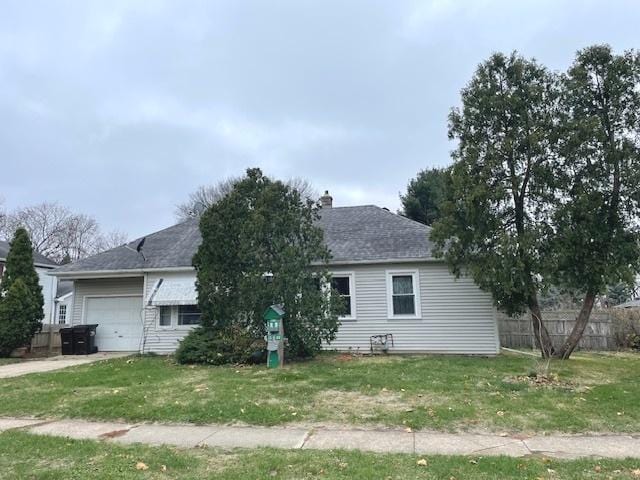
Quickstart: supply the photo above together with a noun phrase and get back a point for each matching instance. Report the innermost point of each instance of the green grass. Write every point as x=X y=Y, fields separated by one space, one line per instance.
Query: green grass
x=594 y=393
x=26 y=456
x=7 y=361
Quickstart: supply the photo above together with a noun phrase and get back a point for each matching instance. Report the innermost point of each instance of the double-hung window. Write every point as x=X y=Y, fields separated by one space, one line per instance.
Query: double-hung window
x=62 y=314
x=403 y=294
x=165 y=317
x=188 y=315
x=343 y=284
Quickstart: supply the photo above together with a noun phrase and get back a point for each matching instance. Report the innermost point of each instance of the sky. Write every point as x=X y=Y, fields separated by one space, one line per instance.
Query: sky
x=119 y=109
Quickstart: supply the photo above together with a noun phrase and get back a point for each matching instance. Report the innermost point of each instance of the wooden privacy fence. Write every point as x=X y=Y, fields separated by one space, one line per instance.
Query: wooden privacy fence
x=517 y=332
x=40 y=341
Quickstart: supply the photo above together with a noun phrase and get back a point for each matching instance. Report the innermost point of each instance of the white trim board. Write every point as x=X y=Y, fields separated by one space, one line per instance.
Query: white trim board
x=417 y=303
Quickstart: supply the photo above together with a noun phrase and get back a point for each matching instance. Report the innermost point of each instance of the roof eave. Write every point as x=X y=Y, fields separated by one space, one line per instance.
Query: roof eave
x=85 y=274
x=378 y=261
x=35 y=264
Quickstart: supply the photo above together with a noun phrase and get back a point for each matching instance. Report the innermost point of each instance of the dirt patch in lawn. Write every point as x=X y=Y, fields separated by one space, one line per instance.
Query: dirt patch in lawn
x=348 y=405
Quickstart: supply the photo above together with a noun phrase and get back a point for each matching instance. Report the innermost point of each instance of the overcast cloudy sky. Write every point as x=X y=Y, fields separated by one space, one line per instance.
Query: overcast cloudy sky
x=119 y=109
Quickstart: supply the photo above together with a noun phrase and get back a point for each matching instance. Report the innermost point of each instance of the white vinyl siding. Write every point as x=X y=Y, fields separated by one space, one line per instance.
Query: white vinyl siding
x=48 y=283
x=164 y=339
x=456 y=316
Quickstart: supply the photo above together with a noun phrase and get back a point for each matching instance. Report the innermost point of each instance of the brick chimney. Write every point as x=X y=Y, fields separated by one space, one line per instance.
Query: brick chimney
x=326 y=201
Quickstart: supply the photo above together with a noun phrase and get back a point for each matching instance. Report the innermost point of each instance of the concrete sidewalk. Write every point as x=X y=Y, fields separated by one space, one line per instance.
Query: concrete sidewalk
x=54 y=363
x=380 y=441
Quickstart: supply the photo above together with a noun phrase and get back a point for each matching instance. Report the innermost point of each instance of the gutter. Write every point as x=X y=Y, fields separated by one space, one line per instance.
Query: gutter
x=132 y=272
x=381 y=261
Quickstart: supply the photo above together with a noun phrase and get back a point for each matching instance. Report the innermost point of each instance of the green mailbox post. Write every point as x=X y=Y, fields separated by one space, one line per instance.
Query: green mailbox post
x=275 y=336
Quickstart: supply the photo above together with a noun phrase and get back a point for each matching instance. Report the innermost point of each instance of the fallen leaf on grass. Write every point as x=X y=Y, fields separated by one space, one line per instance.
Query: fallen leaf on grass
x=142 y=466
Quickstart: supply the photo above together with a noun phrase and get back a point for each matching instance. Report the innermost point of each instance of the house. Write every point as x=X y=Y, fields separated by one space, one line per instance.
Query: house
x=43 y=266
x=63 y=302
x=143 y=294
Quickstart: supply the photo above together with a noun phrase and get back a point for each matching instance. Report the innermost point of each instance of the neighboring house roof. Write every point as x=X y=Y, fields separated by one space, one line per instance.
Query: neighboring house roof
x=353 y=234
x=38 y=259
x=65 y=287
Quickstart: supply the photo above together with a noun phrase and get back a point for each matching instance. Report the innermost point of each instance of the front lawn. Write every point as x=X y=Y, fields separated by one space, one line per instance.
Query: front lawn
x=592 y=392
x=7 y=361
x=26 y=456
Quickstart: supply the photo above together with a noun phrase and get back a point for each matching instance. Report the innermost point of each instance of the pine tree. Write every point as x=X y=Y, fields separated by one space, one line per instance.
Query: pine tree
x=17 y=324
x=19 y=265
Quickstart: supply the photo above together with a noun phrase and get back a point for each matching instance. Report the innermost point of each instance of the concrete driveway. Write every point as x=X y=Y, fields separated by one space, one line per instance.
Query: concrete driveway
x=54 y=363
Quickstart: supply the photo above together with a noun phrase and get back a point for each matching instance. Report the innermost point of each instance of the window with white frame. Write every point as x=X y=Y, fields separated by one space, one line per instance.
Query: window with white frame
x=342 y=283
x=188 y=315
x=403 y=294
x=165 y=317
x=62 y=314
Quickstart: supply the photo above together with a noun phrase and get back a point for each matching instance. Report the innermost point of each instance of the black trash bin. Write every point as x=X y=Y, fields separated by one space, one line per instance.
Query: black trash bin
x=66 y=339
x=84 y=339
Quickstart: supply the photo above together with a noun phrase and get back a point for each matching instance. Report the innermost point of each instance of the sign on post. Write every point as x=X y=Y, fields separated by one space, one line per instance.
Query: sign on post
x=275 y=335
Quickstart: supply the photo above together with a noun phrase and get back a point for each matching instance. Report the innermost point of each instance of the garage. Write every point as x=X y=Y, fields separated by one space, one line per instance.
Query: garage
x=119 y=320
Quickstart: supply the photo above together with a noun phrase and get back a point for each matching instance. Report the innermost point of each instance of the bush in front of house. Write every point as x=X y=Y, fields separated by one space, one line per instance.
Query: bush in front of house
x=233 y=344
x=260 y=246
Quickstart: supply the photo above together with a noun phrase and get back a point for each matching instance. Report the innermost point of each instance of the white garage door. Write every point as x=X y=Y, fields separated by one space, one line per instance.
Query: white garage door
x=119 y=322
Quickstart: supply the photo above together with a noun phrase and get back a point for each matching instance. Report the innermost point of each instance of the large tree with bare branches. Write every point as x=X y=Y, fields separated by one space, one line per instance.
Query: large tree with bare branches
x=208 y=195
x=58 y=233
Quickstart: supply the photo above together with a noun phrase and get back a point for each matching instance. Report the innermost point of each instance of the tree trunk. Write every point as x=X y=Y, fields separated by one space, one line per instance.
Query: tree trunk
x=540 y=332
x=572 y=340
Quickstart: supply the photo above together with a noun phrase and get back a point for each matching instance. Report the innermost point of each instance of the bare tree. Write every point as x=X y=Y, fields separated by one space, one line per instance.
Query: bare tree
x=112 y=239
x=203 y=198
x=207 y=195
x=3 y=216
x=46 y=224
x=58 y=233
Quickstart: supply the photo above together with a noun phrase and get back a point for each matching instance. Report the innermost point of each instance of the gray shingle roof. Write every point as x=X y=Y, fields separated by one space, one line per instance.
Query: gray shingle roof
x=38 y=259
x=370 y=233
x=353 y=234
x=64 y=287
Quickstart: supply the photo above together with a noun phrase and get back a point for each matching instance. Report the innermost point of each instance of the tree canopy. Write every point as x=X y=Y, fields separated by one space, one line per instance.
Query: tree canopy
x=425 y=195
x=496 y=221
x=545 y=182
x=21 y=300
x=597 y=234
x=260 y=246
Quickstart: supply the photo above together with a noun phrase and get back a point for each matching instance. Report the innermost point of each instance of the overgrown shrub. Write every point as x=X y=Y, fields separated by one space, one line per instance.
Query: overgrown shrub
x=16 y=327
x=626 y=327
x=234 y=344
